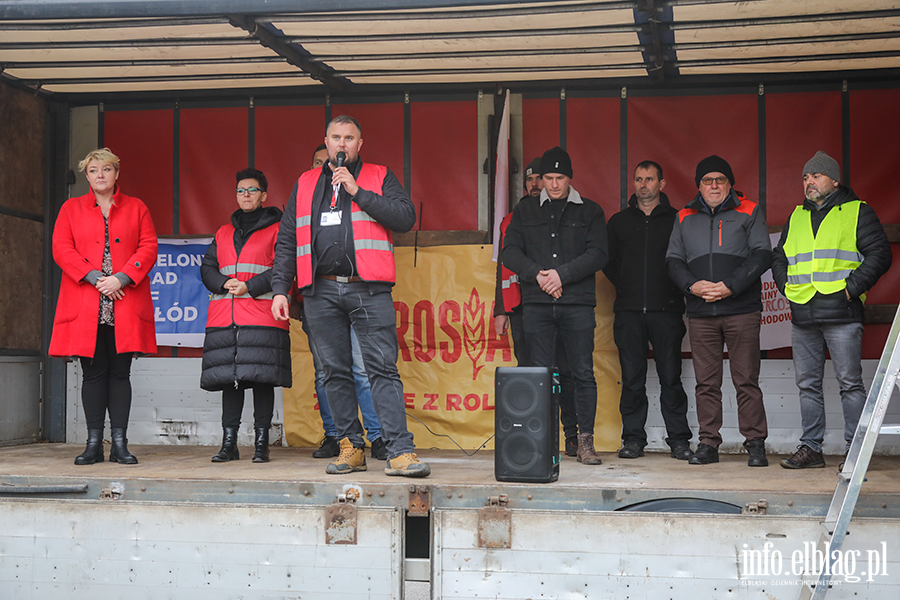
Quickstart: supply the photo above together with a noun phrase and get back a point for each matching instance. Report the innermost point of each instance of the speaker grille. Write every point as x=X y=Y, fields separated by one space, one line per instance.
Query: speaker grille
x=526 y=425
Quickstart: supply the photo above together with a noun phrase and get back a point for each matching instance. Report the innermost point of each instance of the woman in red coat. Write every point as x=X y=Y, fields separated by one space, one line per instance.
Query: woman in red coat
x=105 y=244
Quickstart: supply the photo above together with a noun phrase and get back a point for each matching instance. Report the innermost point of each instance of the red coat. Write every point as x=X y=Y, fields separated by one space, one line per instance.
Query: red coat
x=78 y=240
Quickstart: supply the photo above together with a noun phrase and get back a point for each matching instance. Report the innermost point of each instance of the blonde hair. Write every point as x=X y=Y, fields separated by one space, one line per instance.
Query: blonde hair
x=100 y=155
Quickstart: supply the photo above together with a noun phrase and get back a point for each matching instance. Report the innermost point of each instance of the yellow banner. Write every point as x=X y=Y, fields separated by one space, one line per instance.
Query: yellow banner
x=444 y=301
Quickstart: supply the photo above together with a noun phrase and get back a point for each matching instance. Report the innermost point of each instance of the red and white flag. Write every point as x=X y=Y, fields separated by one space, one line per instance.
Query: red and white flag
x=501 y=176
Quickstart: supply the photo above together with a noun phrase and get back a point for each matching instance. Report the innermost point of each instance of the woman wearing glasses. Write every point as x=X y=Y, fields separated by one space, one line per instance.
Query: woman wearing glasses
x=245 y=347
x=105 y=244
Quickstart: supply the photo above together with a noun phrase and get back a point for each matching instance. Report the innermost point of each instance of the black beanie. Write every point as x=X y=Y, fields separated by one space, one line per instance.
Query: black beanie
x=713 y=164
x=556 y=160
x=534 y=167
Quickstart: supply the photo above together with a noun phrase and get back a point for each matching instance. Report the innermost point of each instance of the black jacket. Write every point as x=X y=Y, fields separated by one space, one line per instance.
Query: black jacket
x=574 y=244
x=392 y=209
x=728 y=244
x=872 y=244
x=637 y=259
x=243 y=353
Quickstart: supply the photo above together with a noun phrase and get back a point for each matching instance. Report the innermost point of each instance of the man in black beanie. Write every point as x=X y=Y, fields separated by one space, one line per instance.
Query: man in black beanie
x=508 y=317
x=555 y=243
x=717 y=252
x=832 y=251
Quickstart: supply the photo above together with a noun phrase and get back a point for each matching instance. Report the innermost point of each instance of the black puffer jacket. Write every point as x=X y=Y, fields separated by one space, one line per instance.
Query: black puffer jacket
x=637 y=259
x=240 y=353
x=872 y=244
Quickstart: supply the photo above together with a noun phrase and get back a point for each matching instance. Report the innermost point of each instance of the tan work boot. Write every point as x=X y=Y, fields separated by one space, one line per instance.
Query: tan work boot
x=586 y=453
x=407 y=465
x=349 y=460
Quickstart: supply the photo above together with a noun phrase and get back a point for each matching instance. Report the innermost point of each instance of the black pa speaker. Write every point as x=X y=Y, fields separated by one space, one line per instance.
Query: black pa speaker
x=526 y=424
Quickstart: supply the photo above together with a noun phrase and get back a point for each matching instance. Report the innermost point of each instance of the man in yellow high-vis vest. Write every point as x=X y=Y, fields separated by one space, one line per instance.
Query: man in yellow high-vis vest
x=832 y=251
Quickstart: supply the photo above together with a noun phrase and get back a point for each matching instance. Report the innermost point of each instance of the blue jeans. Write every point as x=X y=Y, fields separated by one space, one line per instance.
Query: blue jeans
x=844 y=341
x=363 y=391
x=573 y=325
x=331 y=312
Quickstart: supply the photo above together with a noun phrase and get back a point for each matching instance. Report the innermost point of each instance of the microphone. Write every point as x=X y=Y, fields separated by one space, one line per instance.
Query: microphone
x=341 y=157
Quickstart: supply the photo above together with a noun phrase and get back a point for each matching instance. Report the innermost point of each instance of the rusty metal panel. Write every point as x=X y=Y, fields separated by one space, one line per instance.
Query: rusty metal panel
x=340 y=524
x=146 y=551
x=419 y=500
x=579 y=554
x=494 y=527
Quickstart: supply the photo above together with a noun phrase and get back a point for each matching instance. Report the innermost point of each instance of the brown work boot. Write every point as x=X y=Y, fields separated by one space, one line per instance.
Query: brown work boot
x=407 y=465
x=586 y=453
x=349 y=460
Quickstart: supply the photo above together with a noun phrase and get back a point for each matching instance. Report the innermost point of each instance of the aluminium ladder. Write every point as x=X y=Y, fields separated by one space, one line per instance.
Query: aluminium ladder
x=853 y=473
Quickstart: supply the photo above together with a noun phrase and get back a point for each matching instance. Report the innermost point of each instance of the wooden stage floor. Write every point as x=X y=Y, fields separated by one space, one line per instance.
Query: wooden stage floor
x=655 y=471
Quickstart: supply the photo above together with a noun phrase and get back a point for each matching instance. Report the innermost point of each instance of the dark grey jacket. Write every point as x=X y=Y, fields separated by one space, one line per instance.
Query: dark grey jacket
x=728 y=244
x=872 y=244
x=575 y=246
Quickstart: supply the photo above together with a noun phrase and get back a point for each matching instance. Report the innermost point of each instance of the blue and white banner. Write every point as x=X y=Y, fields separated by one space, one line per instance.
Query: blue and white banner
x=179 y=297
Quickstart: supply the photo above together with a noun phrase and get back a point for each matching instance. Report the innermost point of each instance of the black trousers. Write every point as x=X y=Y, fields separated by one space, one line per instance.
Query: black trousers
x=263 y=405
x=555 y=329
x=567 y=415
x=664 y=330
x=106 y=383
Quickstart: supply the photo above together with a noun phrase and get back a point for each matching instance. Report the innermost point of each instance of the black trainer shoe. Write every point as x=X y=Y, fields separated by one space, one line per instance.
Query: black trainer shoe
x=379 y=449
x=329 y=448
x=572 y=446
x=757 y=451
x=704 y=455
x=804 y=458
x=682 y=451
x=631 y=450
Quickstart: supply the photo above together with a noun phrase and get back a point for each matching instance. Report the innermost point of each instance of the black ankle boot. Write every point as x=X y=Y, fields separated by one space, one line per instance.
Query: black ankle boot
x=119 y=452
x=93 y=451
x=261 y=445
x=229 y=449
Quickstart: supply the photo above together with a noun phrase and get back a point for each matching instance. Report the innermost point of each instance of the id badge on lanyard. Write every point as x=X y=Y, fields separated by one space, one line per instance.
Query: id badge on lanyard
x=332 y=217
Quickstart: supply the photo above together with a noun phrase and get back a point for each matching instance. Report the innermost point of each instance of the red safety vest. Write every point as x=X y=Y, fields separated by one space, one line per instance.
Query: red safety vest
x=512 y=291
x=373 y=243
x=257 y=256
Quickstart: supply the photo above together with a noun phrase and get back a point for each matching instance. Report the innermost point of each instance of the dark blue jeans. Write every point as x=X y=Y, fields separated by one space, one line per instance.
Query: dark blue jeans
x=572 y=325
x=330 y=312
x=633 y=331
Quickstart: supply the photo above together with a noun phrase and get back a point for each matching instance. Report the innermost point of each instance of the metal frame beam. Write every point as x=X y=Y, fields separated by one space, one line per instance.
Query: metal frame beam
x=296 y=56
x=95 y=9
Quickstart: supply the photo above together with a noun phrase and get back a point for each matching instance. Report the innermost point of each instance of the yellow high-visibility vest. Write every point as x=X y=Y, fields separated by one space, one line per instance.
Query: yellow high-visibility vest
x=821 y=263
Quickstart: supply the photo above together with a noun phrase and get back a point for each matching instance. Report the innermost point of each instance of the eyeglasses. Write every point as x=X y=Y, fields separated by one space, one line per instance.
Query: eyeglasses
x=249 y=190
x=721 y=179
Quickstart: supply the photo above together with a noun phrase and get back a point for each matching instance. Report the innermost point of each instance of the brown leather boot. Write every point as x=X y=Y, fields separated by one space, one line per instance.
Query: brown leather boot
x=586 y=453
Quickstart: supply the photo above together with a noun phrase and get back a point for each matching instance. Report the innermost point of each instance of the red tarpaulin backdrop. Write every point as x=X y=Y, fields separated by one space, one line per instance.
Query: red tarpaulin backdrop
x=286 y=138
x=143 y=141
x=213 y=148
x=675 y=131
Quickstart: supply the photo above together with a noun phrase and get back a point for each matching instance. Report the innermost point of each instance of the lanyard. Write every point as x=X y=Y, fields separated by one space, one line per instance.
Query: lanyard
x=334 y=195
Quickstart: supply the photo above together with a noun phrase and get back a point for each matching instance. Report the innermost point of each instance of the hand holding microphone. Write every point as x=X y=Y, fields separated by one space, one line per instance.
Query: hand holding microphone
x=341 y=175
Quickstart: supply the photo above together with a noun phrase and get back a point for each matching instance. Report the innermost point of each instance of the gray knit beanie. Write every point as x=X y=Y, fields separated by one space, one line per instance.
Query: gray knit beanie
x=824 y=164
